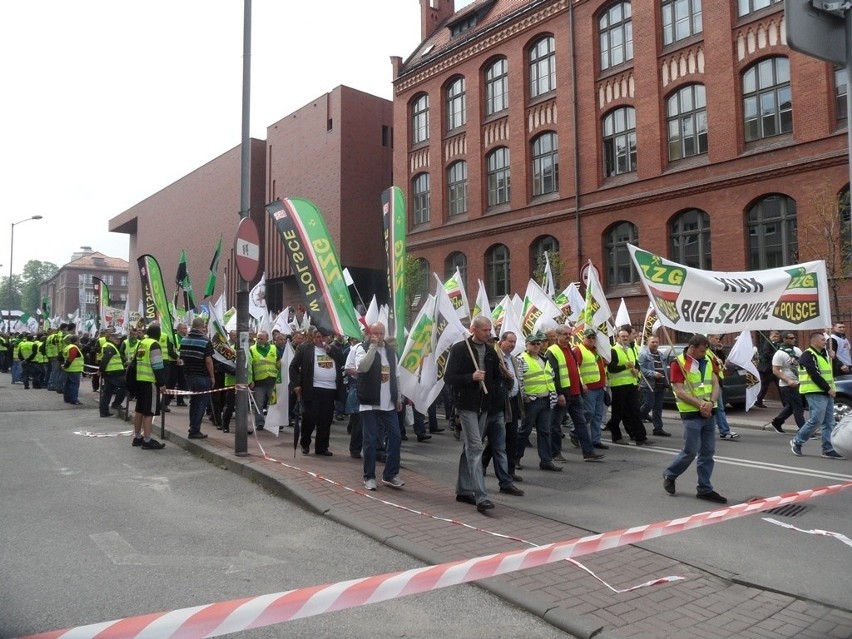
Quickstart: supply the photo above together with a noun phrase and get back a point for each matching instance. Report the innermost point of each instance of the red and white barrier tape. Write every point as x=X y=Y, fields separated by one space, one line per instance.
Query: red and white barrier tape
x=813 y=531
x=216 y=619
x=88 y=433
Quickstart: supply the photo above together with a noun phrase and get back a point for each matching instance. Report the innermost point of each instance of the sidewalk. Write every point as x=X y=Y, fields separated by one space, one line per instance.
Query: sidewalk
x=704 y=605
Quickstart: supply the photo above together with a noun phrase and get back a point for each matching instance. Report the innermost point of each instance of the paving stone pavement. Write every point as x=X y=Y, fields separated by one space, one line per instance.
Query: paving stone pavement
x=703 y=605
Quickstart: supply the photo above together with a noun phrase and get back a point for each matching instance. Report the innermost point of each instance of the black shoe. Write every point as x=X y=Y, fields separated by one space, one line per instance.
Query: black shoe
x=669 y=485
x=404 y=438
x=437 y=430
x=324 y=453
x=306 y=450
x=593 y=457
x=484 y=505
x=198 y=435
x=574 y=441
x=662 y=433
x=166 y=409
x=601 y=446
x=355 y=455
x=518 y=465
x=152 y=444
x=778 y=428
x=225 y=429
x=713 y=496
x=218 y=426
x=181 y=404
x=108 y=415
x=645 y=442
x=516 y=477
x=260 y=427
x=137 y=441
x=423 y=438
x=549 y=466
x=759 y=405
x=511 y=489
x=116 y=406
x=466 y=499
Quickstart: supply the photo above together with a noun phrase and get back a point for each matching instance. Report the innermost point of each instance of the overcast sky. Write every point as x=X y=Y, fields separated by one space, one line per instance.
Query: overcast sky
x=105 y=102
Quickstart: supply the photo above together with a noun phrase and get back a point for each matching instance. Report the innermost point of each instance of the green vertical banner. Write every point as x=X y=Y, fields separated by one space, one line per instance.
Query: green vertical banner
x=395 y=229
x=214 y=269
x=315 y=265
x=101 y=300
x=183 y=283
x=154 y=295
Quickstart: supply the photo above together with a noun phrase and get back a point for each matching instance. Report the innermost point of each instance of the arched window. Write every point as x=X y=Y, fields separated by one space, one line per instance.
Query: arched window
x=767 y=101
x=545 y=164
x=423 y=277
x=619 y=266
x=772 y=232
x=498 y=176
x=421 y=199
x=420 y=119
x=457 y=188
x=544 y=244
x=456 y=260
x=619 y=141
x=456 y=104
x=681 y=19
x=689 y=233
x=687 y=117
x=497 y=87
x=615 y=30
x=497 y=271
x=543 y=67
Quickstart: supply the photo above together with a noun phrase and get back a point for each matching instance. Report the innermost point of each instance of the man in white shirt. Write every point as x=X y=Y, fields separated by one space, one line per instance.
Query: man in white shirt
x=785 y=366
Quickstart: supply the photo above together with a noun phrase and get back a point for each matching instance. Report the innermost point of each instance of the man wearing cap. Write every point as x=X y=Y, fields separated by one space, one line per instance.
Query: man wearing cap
x=569 y=390
x=535 y=377
x=593 y=377
x=316 y=373
x=624 y=379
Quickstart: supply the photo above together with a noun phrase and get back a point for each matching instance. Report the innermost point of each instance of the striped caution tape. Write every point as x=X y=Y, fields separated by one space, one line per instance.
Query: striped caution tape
x=217 y=619
x=88 y=433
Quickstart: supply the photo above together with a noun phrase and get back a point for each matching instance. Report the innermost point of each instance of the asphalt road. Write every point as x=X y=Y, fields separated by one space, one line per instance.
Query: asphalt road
x=626 y=490
x=94 y=530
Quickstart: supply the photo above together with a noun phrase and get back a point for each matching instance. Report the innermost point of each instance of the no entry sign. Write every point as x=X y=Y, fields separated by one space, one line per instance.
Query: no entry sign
x=247 y=249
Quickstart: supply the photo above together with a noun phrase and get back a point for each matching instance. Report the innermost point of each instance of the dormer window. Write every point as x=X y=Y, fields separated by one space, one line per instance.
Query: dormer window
x=461 y=26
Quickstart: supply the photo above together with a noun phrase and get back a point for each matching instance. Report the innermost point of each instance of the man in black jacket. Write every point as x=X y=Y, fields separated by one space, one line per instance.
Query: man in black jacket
x=473 y=372
x=316 y=374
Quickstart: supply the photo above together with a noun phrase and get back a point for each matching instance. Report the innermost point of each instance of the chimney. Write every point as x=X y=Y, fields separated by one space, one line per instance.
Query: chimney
x=432 y=14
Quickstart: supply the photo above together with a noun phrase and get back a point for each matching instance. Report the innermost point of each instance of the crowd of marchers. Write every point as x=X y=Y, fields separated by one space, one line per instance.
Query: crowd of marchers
x=559 y=388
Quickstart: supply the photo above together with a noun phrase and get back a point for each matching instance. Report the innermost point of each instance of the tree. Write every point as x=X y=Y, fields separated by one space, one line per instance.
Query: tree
x=826 y=236
x=10 y=299
x=416 y=283
x=557 y=266
x=35 y=274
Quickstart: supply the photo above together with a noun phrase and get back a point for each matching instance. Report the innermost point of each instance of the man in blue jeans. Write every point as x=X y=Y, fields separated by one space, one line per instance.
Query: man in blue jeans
x=816 y=382
x=196 y=355
x=378 y=393
x=696 y=390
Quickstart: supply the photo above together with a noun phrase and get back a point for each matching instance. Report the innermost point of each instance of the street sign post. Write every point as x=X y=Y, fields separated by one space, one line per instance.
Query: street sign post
x=247 y=249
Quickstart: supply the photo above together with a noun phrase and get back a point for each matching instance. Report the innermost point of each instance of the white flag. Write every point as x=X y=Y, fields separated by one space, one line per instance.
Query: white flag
x=741 y=356
x=622 y=317
x=257 y=299
x=278 y=414
x=548 y=285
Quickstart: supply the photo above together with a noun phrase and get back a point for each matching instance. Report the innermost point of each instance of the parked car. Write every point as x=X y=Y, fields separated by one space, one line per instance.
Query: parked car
x=843 y=399
x=735 y=379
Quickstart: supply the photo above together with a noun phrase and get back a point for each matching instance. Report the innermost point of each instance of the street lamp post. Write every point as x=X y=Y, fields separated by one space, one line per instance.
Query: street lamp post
x=11 y=258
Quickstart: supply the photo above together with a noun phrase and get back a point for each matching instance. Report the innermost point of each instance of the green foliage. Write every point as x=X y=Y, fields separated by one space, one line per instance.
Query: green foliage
x=557 y=266
x=417 y=283
x=35 y=273
x=10 y=298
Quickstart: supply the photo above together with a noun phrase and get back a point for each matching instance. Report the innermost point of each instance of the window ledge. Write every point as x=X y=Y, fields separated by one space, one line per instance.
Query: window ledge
x=496 y=209
x=619 y=68
x=684 y=164
x=684 y=43
x=620 y=180
x=769 y=144
x=545 y=197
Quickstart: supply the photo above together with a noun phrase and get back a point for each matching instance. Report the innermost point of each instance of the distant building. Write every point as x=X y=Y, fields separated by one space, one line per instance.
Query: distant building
x=687 y=127
x=336 y=151
x=72 y=286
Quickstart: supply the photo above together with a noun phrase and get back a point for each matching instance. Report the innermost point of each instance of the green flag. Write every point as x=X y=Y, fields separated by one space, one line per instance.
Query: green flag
x=214 y=269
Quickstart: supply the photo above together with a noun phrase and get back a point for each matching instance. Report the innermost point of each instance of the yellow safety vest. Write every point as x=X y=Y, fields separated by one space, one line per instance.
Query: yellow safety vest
x=808 y=385
x=538 y=378
x=590 y=372
x=264 y=367
x=51 y=346
x=40 y=357
x=626 y=377
x=77 y=365
x=562 y=363
x=144 y=370
x=695 y=384
x=114 y=365
x=25 y=349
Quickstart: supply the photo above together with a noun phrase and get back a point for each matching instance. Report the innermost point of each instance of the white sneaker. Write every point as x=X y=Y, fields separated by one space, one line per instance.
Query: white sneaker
x=394 y=482
x=370 y=484
x=729 y=435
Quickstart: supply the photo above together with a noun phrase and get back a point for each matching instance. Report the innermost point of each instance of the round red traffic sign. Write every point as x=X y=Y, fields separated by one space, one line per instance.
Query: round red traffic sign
x=247 y=249
x=584 y=273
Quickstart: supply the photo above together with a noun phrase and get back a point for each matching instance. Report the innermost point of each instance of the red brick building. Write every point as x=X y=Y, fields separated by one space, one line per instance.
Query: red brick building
x=72 y=287
x=192 y=214
x=337 y=152
x=687 y=127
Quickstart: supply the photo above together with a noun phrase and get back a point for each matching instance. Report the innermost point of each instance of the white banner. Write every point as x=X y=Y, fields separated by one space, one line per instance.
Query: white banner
x=688 y=299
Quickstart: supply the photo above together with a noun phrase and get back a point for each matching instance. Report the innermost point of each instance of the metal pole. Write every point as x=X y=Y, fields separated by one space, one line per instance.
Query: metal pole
x=848 y=16
x=11 y=260
x=241 y=395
